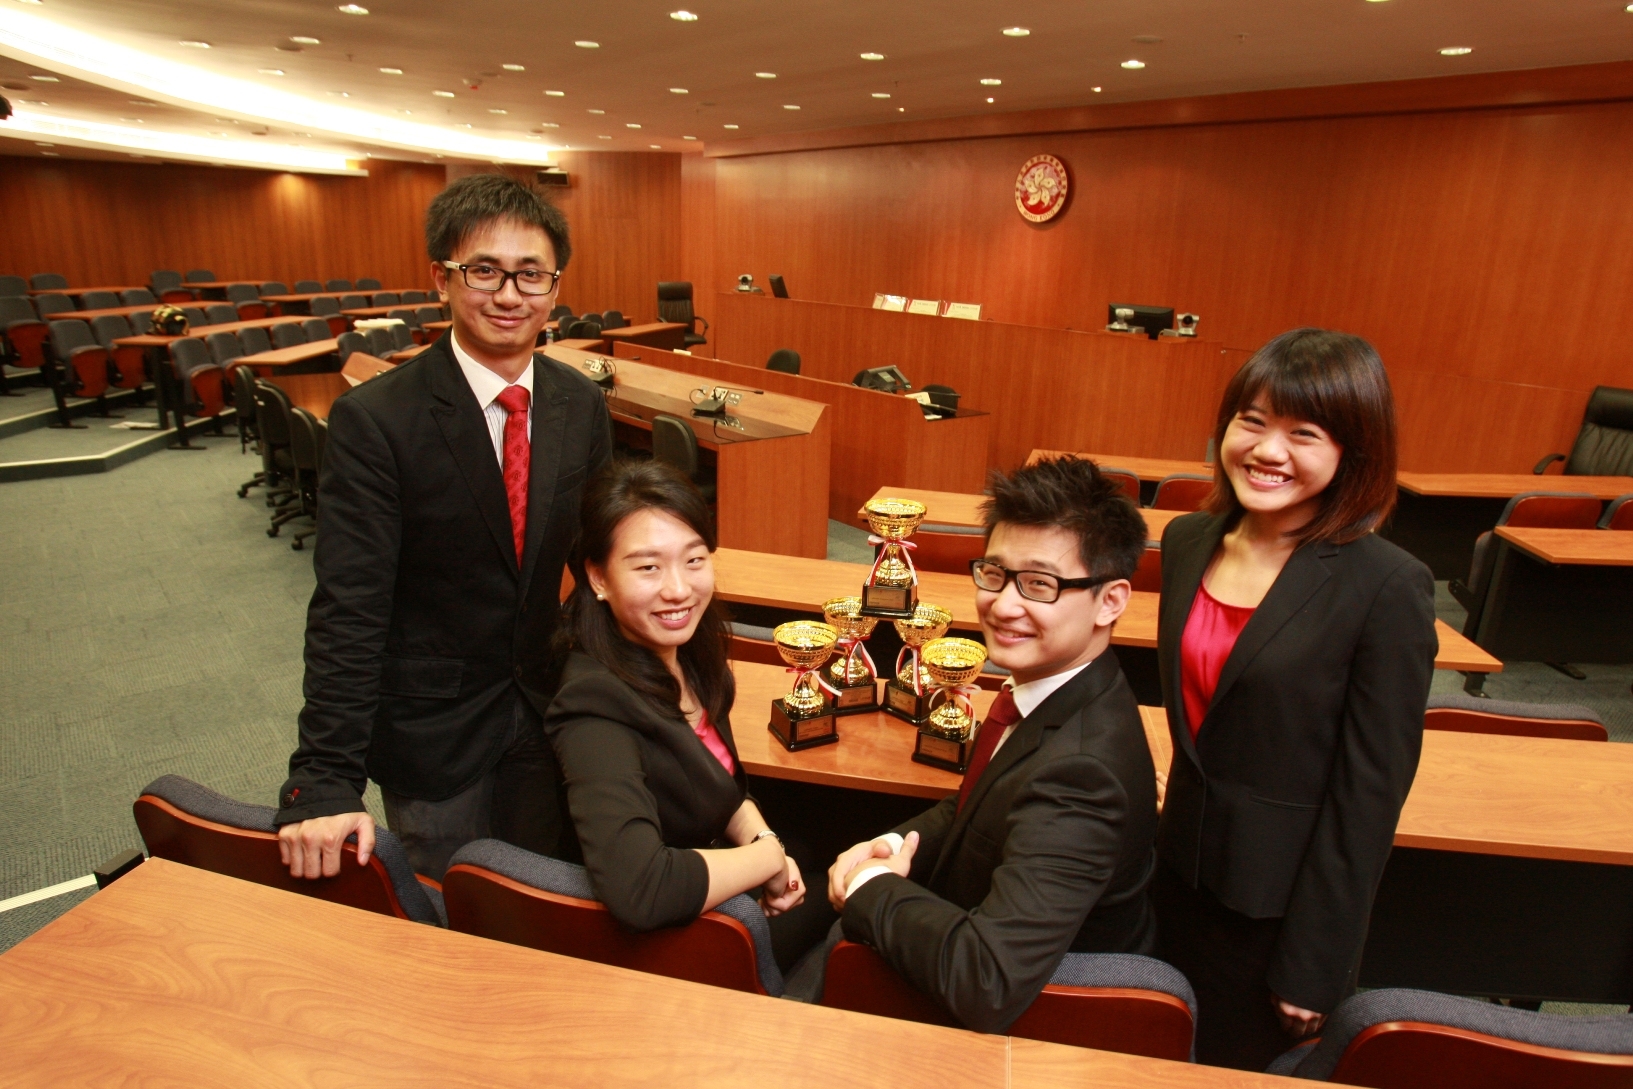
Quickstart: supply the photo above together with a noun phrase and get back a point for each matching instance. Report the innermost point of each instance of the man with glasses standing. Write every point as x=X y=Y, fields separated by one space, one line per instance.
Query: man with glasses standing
x=1047 y=846
x=450 y=497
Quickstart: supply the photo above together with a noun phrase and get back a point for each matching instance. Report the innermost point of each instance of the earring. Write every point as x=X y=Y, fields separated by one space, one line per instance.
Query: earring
x=600 y=597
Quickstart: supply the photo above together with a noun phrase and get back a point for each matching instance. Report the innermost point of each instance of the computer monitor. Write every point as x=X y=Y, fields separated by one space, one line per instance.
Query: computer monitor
x=883 y=379
x=1153 y=319
x=778 y=288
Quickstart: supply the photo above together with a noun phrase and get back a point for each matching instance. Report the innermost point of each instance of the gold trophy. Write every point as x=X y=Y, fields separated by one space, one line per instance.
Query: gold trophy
x=853 y=674
x=907 y=694
x=892 y=588
x=804 y=717
x=946 y=738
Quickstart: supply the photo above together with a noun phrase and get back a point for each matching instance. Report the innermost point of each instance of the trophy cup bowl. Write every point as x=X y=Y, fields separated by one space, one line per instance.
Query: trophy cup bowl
x=947 y=736
x=904 y=698
x=891 y=589
x=803 y=717
x=854 y=679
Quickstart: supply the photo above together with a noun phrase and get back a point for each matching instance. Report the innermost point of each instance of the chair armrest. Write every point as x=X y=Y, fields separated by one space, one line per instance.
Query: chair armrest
x=697 y=318
x=1547 y=461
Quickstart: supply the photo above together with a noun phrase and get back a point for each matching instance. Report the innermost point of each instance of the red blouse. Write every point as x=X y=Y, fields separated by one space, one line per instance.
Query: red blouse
x=710 y=737
x=1210 y=635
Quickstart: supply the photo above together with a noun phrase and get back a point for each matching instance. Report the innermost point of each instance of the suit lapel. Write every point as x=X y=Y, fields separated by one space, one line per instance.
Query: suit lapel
x=1176 y=611
x=1303 y=575
x=466 y=432
x=549 y=412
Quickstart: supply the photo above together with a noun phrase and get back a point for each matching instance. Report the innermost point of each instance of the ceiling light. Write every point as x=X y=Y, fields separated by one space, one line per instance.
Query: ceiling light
x=989 y=100
x=36 y=3
x=352 y=9
x=683 y=16
x=603 y=138
x=408 y=112
x=53 y=154
x=688 y=137
x=530 y=136
x=514 y=67
x=992 y=83
x=1628 y=8
x=1133 y=64
x=790 y=107
x=548 y=125
x=45 y=79
x=141 y=102
x=556 y=94
x=880 y=94
x=766 y=75
x=655 y=147
x=901 y=109
x=728 y=126
x=195 y=45
x=588 y=45
x=1096 y=90
x=103 y=136
x=873 y=56
x=595 y=111
x=392 y=71
x=463 y=125
x=1456 y=51
x=443 y=94
x=341 y=94
x=1016 y=32
x=631 y=125
x=498 y=111
x=301 y=39
x=679 y=91
x=42 y=143
x=270 y=71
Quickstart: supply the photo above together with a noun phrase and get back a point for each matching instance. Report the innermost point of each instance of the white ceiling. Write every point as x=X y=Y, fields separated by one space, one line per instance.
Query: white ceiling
x=936 y=52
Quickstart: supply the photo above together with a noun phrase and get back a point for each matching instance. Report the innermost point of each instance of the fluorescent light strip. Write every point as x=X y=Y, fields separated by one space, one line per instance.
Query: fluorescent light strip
x=176 y=145
x=56 y=46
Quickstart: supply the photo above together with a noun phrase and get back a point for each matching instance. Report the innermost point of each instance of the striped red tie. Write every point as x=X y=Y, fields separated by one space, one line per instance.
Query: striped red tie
x=1000 y=716
x=518 y=459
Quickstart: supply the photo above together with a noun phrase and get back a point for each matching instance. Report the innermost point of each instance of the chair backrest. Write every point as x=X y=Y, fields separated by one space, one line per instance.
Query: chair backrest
x=1551 y=510
x=402 y=335
x=1466 y=714
x=613 y=319
x=272 y=413
x=138 y=296
x=368 y=283
x=351 y=341
x=303 y=450
x=189 y=354
x=254 y=340
x=199 y=276
x=354 y=302
x=1109 y=1001
x=108 y=327
x=423 y=314
x=273 y=287
x=405 y=315
x=785 y=360
x=289 y=334
x=164 y=278
x=675 y=301
x=251 y=309
x=380 y=341
x=413 y=298
x=16 y=308
x=1182 y=491
x=224 y=347
x=13 y=286
x=99 y=300
x=195 y=316
x=48 y=281
x=53 y=304
x=324 y=305
x=1604 y=445
x=315 y=329
x=184 y=822
x=337 y=285
x=948 y=549
x=1148 y=576
x=581 y=330
x=502 y=892
x=243 y=394
x=70 y=334
x=242 y=293
x=307 y=287
x=220 y=314
x=1396 y=1038
x=561 y=312
x=1619 y=514
x=385 y=298
x=674 y=443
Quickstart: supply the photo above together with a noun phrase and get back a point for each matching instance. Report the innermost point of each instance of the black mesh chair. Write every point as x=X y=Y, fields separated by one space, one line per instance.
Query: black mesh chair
x=385 y=298
x=275 y=417
x=674 y=443
x=315 y=329
x=273 y=287
x=98 y=300
x=675 y=304
x=354 y=302
x=337 y=285
x=380 y=341
x=49 y=304
x=81 y=367
x=307 y=287
x=349 y=342
x=254 y=340
x=220 y=314
x=785 y=360
x=1604 y=445
x=290 y=334
x=413 y=298
x=195 y=316
x=613 y=319
x=127 y=365
x=249 y=433
x=138 y=296
x=199 y=276
x=13 y=286
x=48 y=281
x=368 y=283
x=306 y=438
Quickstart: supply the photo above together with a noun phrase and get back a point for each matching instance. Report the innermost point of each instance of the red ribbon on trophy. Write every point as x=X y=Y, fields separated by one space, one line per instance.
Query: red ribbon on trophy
x=853 y=647
x=918 y=689
x=880 y=553
x=962 y=694
x=817 y=673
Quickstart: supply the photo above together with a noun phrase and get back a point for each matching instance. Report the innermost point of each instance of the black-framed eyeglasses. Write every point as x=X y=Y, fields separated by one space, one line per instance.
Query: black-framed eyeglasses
x=1039 y=586
x=529 y=281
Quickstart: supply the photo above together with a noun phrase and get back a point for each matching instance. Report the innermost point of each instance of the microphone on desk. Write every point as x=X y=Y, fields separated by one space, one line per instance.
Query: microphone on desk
x=715 y=400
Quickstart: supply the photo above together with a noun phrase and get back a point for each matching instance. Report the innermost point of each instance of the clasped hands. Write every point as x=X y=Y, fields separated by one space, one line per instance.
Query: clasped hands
x=877 y=852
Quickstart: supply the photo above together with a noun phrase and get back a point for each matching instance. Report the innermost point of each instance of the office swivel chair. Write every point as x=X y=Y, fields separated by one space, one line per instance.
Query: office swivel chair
x=785 y=360
x=613 y=319
x=249 y=432
x=1396 y=1038
x=674 y=443
x=307 y=435
x=1604 y=445
x=675 y=304
x=499 y=891
x=1619 y=514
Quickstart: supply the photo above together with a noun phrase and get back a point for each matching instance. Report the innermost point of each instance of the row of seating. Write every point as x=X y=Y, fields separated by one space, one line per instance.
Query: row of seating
x=290 y=442
x=587 y=326
x=1114 y=1002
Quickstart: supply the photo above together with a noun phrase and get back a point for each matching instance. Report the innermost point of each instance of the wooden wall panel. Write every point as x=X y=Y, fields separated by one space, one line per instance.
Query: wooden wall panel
x=624 y=209
x=111 y=222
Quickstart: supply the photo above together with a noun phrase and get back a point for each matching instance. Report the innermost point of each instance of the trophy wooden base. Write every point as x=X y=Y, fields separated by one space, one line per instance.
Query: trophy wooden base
x=943 y=752
x=798 y=733
x=892 y=602
x=906 y=704
x=855 y=699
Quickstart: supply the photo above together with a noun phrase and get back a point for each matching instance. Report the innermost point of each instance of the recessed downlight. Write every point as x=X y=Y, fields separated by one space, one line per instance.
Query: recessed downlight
x=688 y=137
x=1016 y=32
x=301 y=39
x=683 y=16
x=631 y=125
x=790 y=106
x=873 y=56
x=52 y=154
x=765 y=75
x=595 y=111
x=270 y=71
x=514 y=67
x=41 y=77
x=991 y=100
x=603 y=138
x=880 y=94
x=588 y=45
x=1096 y=90
x=655 y=147
x=391 y=71
x=992 y=83
x=556 y=94
x=1134 y=64
x=195 y=45
x=679 y=91
x=498 y=111
x=352 y=9
x=548 y=125
x=42 y=143
x=1456 y=51
x=443 y=94
x=730 y=126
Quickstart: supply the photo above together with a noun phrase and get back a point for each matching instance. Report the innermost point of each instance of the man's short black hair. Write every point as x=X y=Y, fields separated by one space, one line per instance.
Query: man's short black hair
x=1071 y=493
x=482 y=198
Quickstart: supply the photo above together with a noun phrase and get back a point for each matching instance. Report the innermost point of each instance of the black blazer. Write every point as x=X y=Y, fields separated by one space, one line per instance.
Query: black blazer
x=423 y=627
x=644 y=792
x=1051 y=854
x=1286 y=804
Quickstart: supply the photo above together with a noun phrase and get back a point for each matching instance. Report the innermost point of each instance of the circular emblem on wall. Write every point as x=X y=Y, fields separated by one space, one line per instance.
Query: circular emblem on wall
x=1040 y=189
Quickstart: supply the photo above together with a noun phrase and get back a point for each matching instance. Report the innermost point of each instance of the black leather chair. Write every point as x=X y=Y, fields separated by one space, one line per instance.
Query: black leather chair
x=274 y=414
x=307 y=434
x=582 y=330
x=1618 y=513
x=1604 y=445
x=613 y=319
x=249 y=433
x=674 y=443
x=785 y=360
x=675 y=304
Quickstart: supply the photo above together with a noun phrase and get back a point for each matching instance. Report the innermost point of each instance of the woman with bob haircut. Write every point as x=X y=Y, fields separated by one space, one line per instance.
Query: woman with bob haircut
x=641 y=722
x=1296 y=649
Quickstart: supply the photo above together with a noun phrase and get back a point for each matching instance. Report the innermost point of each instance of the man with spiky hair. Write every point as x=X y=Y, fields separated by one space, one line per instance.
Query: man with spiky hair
x=450 y=497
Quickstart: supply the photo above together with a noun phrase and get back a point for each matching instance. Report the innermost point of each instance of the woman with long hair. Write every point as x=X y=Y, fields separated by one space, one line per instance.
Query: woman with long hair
x=1296 y=649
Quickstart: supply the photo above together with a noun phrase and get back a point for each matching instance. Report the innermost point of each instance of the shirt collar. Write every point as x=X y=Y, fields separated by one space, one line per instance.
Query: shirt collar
x=1029 y=696
x=483 y=382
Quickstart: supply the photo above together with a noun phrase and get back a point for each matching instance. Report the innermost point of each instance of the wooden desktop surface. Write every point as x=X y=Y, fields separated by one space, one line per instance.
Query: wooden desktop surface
x=156 y=340
x=1596 y=547
x=91 y=315
x=964 y=509
x=635 y=332
x=1144 y=468
x=179 y=976
x=295 y=353
x=1479 y=793
x=315 y=393
x=72 y=291
x=380 y=311
x=306 y=297
x=1508 y=485
x=802 y=585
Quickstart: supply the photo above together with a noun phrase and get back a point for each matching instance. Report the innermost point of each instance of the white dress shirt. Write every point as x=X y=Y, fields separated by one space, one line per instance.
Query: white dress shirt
x=1028 y=697
x=488 y=386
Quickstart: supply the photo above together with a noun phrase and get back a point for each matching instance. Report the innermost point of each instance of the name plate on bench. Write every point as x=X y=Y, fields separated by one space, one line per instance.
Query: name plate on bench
x=924 y=306
x=967 y=311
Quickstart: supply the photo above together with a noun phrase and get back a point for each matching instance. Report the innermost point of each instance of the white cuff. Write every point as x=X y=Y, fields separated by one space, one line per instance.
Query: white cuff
x=863 y=878
x=894 y=840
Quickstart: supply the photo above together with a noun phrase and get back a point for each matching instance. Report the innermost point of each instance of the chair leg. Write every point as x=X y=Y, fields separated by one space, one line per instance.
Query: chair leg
x=258 y=482
x=1569 y=670
x=1474 y=684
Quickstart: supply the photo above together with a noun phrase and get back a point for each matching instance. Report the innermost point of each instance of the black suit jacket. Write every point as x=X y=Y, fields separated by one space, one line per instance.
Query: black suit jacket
x=1286 y=804
x=644 y=792
x=1051 y=854
x=424 y=630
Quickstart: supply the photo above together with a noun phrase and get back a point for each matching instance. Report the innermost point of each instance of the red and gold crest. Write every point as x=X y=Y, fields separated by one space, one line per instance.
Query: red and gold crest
x=1041 y=187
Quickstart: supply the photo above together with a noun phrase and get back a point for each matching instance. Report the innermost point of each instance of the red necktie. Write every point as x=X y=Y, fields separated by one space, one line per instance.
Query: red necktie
x=518 y=458
x=1000 y=716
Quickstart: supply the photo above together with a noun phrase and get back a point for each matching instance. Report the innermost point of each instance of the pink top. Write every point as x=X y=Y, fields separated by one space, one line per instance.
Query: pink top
x=710 y=737
x=1210 y=635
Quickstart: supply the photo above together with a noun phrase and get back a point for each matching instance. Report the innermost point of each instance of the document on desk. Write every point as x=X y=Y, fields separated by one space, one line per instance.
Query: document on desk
x=924 y=306
x=967 y=311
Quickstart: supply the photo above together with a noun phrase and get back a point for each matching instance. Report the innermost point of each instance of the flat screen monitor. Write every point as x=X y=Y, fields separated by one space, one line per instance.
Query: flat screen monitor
x=778 y=288
x=1153 y=319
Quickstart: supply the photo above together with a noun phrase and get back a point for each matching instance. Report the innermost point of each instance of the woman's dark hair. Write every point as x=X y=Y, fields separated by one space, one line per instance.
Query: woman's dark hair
x=1071 y=493
x=620 y=490
x=1336 y=381
x=482 y=198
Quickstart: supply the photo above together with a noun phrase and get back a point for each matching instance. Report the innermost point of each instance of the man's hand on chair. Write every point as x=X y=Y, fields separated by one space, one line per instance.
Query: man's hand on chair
x=312 y=848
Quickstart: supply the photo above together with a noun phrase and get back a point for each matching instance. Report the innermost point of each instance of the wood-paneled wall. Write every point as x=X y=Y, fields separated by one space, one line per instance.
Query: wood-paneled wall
x=624 y=209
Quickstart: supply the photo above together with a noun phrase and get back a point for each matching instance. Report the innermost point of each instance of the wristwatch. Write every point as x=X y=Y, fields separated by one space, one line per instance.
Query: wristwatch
x=768 y=832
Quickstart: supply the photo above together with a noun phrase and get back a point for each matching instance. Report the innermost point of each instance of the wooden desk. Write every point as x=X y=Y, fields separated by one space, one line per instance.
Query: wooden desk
x=73 y=292
x=92 y=315
x=267 y=362
x=302 y=302
x=181 y=976
x=162 y=340
x=1147 y=469
x=588 y=345
x=801 y=585
x=963 y=509
x=879 y=438
x=315 y=393
x=380 y=311
x=1598 y=547
x=656 y=334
